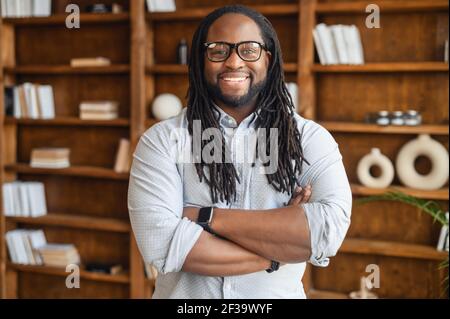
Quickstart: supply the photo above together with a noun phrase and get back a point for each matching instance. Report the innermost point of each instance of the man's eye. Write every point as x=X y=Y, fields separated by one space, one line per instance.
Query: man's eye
x=219 y=52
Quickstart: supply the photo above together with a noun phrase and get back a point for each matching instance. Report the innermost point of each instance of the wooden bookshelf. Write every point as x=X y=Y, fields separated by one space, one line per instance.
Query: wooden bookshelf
x=441 y=194
x=61 y=272
x=400 y=73
x=66 y=121
x=393 y=249
x=199 y=13
x=67 y=69
x=60 y=19
x=383 y=67
x=385 y=6
x=350 y=127
x=183 y=69
x=80 y=171
x=39 y=50
x=403 y=70
x=74 y=221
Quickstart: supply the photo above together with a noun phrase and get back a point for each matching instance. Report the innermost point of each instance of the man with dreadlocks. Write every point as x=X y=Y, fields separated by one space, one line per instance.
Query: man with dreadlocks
x=227 y=228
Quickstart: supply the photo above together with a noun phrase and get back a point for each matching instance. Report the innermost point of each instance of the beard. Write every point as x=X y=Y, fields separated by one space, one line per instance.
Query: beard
x=236 y=101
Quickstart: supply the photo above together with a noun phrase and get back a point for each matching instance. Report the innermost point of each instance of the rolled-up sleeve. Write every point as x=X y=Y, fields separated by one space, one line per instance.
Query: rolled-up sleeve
x=155 y=204
x=329 y=209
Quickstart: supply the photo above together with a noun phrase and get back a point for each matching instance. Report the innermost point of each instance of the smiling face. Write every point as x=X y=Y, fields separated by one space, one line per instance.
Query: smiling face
x=235 y=82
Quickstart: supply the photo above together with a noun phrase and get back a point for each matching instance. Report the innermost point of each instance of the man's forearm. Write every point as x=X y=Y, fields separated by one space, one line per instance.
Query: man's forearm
x=212 y=256
x=280 y=234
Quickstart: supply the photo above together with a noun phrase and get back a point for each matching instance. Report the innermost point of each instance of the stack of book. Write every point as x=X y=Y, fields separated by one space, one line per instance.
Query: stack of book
x=26 y=8
x=161 y=5
x=338 y=44
x=30 y=101
x=59 y=255
x=24 y=199
x=99 y=110
x=23 y=246
x=50 y=157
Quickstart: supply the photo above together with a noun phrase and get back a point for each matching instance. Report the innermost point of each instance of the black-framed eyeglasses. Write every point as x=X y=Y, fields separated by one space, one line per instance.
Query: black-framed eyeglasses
x=249 y=51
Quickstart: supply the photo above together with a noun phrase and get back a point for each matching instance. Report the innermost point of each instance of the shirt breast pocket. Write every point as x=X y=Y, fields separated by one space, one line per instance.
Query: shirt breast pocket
x=263 y=194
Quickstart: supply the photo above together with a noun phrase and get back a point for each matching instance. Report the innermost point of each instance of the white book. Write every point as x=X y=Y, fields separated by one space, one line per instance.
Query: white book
x=37 y=240
x=11 y=247
x=28 y=8
x=27 y=246
x=62 y=164
x=358 y=45
x=28 y=88
x=16 y=198
x=163 y=5
x=150 y=6
x=46 y=101
x=319 y=47
x=37 y=199
x=443 y=237
x=11 y=6
x=24 y=200
x=339 y=41
x=17 y=105
x=42 y=8
x=354 y=45
x=34 y=104
x=8 y=208
x=3 y=8
x=327 y=42
x=20 y=247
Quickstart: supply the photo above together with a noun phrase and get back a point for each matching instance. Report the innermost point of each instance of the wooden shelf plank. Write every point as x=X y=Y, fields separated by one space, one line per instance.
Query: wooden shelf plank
x=90 y=18
x=382 y=67
x=82 y=171
x=392 y=249
x=53 y=271
x=440 y=194
x=350 y=127
x=68 y=121
x=183 y=69
x=71 y=221
x=199 y=13
x=323 y=294
x=67 y=69
x=385 y=6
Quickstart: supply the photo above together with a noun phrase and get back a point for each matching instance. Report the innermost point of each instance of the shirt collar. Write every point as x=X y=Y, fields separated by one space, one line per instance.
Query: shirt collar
x=227 y=121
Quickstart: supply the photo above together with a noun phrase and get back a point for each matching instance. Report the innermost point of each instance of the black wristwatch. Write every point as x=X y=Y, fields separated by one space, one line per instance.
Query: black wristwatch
x=205 y=216
x=274 y=266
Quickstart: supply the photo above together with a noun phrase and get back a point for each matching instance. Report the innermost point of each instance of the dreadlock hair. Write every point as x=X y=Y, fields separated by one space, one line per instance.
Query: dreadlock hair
x=274 y=105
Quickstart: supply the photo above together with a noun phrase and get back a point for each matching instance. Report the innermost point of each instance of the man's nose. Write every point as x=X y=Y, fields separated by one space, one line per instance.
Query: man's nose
x=234 y=61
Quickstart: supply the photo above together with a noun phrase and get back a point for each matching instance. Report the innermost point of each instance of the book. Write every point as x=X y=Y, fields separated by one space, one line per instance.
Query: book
x=89 y=62
x=50 y=157
x=46 y=103
x=23 y=246
x=443 y=237
x=338 y=44
x=122 y=164
x=59 y=255
x=161 y=5
x=25 y=199
x=99 y=106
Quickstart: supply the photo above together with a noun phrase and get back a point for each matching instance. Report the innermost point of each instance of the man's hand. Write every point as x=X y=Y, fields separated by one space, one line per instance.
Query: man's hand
x=301 y=196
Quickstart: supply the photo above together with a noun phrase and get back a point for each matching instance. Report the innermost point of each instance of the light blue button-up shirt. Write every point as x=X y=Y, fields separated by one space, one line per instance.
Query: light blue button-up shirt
x=161 y=185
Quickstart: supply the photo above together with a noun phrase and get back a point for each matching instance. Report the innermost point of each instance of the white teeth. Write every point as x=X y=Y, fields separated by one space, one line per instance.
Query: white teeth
x=234 y=79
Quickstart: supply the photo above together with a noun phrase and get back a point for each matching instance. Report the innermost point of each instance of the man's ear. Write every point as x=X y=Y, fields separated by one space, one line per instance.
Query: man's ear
x=268 y=58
